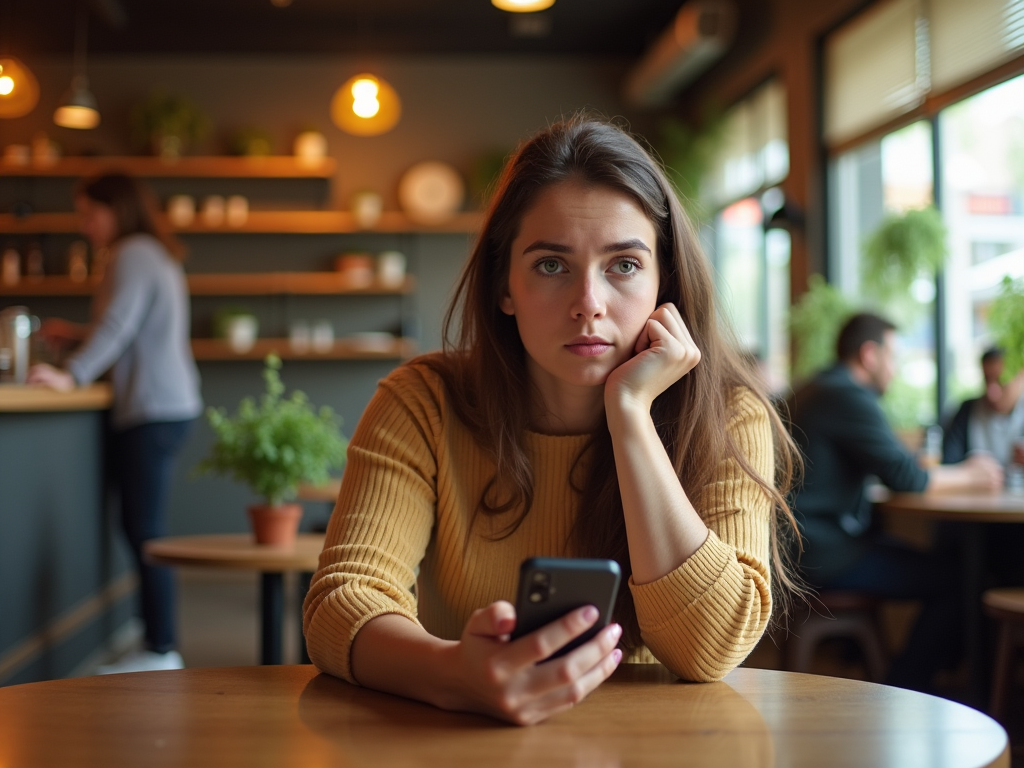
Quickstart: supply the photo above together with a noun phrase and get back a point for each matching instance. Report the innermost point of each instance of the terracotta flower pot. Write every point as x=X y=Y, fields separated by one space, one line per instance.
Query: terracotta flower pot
x=276 y=526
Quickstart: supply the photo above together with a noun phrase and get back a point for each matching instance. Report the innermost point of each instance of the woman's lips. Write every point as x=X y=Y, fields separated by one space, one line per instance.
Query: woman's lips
x=588 y=349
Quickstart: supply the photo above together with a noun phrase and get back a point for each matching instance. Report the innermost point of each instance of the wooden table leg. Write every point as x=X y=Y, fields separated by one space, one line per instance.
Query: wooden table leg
x=974 y=573
x=272 y=617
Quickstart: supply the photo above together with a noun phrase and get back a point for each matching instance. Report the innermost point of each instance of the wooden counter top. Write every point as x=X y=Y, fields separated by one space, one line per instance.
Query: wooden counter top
x=19 y=399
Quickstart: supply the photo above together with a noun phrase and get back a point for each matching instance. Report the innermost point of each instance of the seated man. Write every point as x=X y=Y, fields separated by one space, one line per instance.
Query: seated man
x=992 y=423
x=840 y=427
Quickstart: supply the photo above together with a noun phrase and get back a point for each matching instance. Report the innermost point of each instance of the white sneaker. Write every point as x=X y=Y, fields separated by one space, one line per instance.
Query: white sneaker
x=143 y=661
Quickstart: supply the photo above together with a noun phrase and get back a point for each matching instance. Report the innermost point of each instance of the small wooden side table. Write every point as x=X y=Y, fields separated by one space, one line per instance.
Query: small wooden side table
x=240 y=551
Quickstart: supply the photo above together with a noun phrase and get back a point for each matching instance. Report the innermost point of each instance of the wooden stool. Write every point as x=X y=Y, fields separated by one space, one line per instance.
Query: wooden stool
x=836 y=614
x=1006 y=606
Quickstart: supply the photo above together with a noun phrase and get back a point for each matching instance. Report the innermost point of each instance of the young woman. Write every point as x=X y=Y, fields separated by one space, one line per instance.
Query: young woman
x=141 y=331
x=592 y=408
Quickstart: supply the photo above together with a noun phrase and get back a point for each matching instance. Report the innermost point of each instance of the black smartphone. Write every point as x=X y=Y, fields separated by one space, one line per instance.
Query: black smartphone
x=550 y=587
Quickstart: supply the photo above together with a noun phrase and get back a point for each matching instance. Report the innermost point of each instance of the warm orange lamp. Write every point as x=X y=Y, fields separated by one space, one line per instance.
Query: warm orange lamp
x=19 y=89
x=522 y=6
x=366 y=106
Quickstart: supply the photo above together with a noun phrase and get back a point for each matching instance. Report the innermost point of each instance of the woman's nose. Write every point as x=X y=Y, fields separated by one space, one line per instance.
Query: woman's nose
x=590 y=299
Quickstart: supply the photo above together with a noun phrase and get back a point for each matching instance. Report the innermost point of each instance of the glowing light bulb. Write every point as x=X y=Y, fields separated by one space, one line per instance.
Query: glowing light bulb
x=364 y=94
x=522 y=6
x=6 y=85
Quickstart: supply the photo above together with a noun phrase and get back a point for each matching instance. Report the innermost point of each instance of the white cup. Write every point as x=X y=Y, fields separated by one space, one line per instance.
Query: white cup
x=237 y=211
x=213 y=211
x=181 y=210
x=241 y=330
x=323 y=336
x=391 y=269
x=367 y=208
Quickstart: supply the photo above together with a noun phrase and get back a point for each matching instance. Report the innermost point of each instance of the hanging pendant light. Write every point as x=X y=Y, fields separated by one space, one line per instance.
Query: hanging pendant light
x=366 y=106
x=19 y=89
x=78 y=108
x=523 y=6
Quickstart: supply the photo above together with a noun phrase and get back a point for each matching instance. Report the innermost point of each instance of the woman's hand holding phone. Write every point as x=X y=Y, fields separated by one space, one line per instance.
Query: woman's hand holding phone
x=503 y=677
x=664 y=353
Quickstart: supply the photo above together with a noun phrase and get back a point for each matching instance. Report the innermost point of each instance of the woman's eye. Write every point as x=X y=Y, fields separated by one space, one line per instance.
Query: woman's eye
x=626 y=267
x=550 y=267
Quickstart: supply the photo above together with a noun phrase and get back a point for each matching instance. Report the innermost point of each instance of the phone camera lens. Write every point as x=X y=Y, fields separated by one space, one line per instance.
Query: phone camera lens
x=538 y=594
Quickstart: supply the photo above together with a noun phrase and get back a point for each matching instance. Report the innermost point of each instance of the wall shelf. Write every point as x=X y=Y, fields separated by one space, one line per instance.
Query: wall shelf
x=342 y=349
x=274 y=166
x=258 y=222
x=227 y=284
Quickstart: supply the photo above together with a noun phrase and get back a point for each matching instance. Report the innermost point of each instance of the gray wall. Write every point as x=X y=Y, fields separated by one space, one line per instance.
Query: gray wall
x=455 y=109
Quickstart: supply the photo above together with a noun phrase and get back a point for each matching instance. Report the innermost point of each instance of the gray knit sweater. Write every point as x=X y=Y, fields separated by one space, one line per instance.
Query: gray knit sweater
x=143 y=333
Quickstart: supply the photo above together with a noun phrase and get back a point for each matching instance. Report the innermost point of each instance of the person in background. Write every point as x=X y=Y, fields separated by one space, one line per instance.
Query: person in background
x=140 y=331
x=993 y=424
x=591 y=408
x=840 y=427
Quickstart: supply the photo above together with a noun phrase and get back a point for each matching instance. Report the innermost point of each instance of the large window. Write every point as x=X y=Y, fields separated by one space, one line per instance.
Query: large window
x=889 y=176
x=752 y=260
x=980 y=164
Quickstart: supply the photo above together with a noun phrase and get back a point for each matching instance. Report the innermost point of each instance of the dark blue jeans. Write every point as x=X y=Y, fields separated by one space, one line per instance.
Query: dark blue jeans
x=893 y=571
x=142 y=467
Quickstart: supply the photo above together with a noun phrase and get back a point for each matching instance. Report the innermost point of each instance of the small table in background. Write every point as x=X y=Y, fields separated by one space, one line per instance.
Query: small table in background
x=971 y=511
x=239 y=551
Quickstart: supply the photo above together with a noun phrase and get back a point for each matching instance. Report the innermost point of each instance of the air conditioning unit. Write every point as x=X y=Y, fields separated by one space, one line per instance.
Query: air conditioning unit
x=702 y=32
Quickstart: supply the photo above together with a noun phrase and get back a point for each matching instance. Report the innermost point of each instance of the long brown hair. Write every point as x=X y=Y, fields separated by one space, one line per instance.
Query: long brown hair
x=485 y=369
x=133 y=206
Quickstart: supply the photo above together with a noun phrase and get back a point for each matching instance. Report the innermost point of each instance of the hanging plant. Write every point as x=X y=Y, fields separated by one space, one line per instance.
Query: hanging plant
x=687 y=154
x=814 y=322
x=904 y=247
x=1006 y=321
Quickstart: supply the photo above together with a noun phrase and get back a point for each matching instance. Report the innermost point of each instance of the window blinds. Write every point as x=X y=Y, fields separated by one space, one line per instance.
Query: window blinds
x=884 y=62
x=970 y=38
x=871 y=70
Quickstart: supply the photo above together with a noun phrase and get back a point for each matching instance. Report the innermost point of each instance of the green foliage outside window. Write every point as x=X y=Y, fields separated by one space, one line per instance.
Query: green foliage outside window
x=1006 y=320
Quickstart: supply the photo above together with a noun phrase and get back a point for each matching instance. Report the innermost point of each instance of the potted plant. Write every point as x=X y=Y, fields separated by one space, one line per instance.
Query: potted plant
x=167 y=124
x=1006 y=321
x=272 y=446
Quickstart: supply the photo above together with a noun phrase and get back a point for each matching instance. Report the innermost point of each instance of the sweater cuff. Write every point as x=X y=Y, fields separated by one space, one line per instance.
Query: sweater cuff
x=659 y=602
x=75 y=369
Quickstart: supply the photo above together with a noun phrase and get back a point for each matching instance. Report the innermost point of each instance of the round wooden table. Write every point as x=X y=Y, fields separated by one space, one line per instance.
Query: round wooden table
x=971 y=511
x=241 y=552
x=291 y=716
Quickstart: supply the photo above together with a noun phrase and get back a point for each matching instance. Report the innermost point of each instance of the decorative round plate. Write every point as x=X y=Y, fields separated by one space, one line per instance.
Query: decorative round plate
x=431 y=192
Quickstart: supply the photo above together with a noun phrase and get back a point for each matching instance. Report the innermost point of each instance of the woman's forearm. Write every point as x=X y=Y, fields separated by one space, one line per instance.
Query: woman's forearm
x=662 y=527
x=392 y=654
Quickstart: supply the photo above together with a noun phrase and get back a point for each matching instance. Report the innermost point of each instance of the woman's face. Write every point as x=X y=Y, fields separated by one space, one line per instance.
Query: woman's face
x=583 y=280
x=96 y=221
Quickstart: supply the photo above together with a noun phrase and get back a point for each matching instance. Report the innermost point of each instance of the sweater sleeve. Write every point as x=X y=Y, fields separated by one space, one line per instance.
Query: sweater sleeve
x=702 y=619
x=381 y=524
x=130 y=296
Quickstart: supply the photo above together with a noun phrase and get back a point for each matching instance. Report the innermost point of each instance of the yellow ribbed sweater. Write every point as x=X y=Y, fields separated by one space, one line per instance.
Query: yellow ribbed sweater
x=397 y=541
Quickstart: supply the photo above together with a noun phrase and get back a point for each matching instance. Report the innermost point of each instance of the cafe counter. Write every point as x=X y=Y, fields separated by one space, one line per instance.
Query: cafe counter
x=65 y=585
x=22 y=399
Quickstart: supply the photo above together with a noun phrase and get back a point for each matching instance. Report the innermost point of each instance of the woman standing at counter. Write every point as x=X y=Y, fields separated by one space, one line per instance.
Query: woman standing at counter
x=140 y=331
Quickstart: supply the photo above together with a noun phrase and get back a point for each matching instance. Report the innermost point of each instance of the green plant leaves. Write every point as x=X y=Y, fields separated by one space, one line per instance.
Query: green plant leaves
x=904 y=247
x=815 y=321
x=275 y=444
x=1006 y=321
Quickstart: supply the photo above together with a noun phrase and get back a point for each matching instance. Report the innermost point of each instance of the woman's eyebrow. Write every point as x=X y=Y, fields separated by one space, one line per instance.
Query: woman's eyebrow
x=547 y=245
x=627 y=245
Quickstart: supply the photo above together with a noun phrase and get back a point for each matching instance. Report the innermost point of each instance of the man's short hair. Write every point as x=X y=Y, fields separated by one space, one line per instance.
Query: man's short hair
x=991 y=355
x=858 y=330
